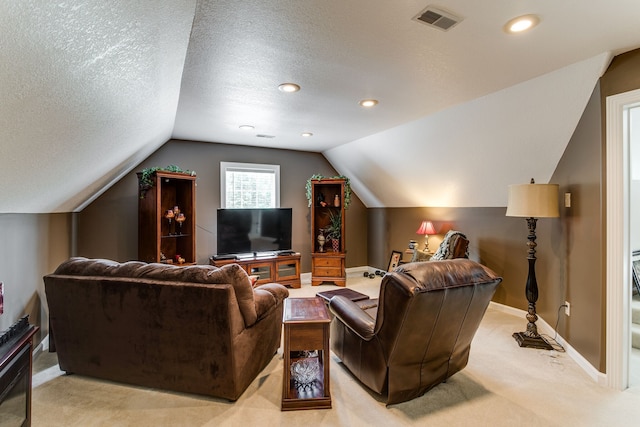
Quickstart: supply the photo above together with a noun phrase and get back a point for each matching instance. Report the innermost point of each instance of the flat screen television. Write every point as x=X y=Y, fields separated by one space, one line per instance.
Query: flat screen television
x=254 y=231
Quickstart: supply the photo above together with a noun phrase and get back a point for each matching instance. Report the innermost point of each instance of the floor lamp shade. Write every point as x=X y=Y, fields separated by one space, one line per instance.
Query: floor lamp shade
x=533 y=200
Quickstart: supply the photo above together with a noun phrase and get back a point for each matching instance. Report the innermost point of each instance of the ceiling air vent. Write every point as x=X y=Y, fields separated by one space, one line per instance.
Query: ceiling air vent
x=437 y=18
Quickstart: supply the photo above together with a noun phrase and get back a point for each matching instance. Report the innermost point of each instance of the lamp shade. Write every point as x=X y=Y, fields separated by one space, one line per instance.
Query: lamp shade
x=426 y=228
x=533 y=200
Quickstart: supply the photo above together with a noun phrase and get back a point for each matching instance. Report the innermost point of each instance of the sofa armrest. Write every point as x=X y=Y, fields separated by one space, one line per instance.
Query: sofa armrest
x=278 y=291
x=268 y=296
x=353 y=317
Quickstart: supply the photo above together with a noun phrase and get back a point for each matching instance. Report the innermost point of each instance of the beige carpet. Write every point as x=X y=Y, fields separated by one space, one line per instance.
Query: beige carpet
x=503 y=385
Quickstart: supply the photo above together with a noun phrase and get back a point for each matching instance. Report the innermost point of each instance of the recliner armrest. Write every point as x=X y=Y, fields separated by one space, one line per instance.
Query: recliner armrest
x=352 y=316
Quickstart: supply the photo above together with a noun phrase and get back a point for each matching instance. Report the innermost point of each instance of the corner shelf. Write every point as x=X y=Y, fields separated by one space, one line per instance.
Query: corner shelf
x=327 y=261
x=159 y=240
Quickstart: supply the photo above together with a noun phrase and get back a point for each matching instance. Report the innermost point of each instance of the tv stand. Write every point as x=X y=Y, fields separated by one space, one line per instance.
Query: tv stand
x=283 y=269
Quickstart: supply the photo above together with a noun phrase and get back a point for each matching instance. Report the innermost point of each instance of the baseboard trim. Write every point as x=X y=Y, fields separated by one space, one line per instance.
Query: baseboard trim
x=545 y=328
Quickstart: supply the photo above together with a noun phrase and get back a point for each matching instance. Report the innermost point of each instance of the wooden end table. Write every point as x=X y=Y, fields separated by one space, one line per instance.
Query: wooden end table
x=305 y=383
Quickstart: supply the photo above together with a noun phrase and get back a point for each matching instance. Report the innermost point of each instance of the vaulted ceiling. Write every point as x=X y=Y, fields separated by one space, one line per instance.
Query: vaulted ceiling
x=90 y=88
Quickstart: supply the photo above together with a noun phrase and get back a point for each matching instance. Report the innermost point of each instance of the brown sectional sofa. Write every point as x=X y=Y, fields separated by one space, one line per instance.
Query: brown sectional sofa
x=196 y=329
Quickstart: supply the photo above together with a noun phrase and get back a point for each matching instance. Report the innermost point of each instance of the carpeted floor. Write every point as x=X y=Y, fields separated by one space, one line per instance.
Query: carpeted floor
x=503 y=385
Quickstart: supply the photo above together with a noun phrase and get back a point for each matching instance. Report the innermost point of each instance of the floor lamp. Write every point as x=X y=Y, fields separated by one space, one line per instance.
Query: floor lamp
x=532 y=201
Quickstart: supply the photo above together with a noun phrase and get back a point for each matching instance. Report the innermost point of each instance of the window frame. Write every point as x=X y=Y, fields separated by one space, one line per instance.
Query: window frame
x=248 y=167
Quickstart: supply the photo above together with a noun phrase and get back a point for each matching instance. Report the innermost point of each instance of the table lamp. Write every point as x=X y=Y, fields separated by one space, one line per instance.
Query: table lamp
x=426 y=228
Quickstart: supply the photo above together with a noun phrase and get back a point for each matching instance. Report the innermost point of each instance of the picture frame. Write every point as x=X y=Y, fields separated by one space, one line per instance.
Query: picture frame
x=394 y=260
x=635 y=275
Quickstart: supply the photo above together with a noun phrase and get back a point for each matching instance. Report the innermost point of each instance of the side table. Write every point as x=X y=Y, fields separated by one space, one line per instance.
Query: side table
x=305 y=383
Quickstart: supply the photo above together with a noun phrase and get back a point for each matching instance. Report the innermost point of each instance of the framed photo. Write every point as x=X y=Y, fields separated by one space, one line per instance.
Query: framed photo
x=635 y=274
x=394 y=261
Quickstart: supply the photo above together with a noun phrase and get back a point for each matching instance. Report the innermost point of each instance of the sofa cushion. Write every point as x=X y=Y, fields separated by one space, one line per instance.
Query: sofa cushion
x=238 y=277
x=231 y=274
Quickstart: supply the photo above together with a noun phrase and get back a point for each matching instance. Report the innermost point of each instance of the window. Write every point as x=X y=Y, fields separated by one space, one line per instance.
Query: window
x=249 y=185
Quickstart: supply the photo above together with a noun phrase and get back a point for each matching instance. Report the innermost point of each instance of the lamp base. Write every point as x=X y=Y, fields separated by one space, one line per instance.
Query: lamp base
x=531 y=342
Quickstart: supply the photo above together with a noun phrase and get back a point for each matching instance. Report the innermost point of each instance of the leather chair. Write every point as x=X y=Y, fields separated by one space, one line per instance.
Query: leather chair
x=420 y=333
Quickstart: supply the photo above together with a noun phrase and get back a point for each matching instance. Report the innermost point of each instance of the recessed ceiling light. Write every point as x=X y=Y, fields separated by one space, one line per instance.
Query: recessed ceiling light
x=368 y=103
x=521 y=23
x=246 y=127
x=289 y=87
x=307 y=134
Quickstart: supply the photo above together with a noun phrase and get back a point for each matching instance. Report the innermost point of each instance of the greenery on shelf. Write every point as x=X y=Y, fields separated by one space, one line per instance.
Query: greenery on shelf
x=347 y=188
x=147 y=173
x=334 y=229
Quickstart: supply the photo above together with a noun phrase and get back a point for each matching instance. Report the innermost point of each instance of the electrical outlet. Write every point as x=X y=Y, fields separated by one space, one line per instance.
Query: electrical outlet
x=567 y=308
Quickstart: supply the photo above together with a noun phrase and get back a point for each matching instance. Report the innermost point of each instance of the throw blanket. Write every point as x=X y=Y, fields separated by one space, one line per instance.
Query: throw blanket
x=445 y=250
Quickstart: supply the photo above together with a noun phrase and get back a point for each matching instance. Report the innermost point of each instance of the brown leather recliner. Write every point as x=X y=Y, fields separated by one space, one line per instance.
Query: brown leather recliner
x=421 y=333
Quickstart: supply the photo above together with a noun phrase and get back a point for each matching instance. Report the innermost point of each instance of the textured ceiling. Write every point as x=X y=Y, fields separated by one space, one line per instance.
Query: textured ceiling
x=91 y=88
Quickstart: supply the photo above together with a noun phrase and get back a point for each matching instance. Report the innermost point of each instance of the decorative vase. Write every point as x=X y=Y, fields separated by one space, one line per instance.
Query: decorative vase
x=305 y=373
x=336 y=201
x=335 y=245
x=321 y=242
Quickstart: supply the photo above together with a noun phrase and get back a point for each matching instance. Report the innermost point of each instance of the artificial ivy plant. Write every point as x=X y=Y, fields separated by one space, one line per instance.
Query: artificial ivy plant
x=145 y=176
x=347 y=188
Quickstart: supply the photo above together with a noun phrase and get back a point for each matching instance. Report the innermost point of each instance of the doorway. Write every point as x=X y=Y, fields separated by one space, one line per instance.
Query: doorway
x=618 y=228
x=633 y=117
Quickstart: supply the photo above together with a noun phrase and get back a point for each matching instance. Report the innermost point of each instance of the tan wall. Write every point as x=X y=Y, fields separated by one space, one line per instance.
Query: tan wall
x=569 y=255
x=107 y=228
x=577 y=240
x=494 y=240
x=33 y=245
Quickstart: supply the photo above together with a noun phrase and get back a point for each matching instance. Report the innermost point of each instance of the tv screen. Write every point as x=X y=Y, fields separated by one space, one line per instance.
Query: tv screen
x=253 y=231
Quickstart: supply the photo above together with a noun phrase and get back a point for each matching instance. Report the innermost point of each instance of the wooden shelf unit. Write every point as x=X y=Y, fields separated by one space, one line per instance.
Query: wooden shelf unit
x=327 y=263
x=158 y=239
x=282 y=269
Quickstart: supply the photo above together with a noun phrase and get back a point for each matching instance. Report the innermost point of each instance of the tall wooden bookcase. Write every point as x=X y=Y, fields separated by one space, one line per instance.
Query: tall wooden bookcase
x=327 y=202
x=159 y=239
